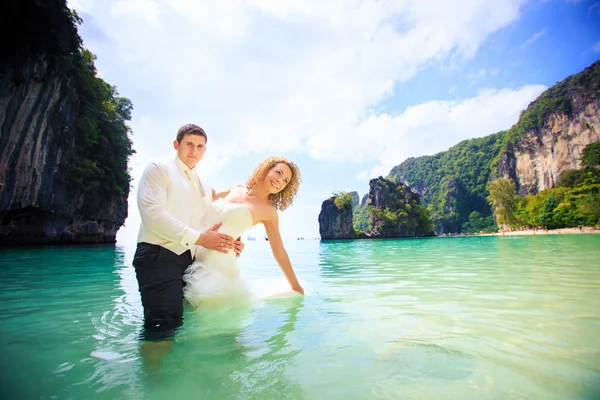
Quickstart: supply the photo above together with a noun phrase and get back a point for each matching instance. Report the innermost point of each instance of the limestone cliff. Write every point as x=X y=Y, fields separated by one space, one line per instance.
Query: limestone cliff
x=336 y=222
x=547 y=140
x=355 y=198
x=59 y=182
x=395 y=211
x=364 y=199
x=539 y=158
x=390 y=210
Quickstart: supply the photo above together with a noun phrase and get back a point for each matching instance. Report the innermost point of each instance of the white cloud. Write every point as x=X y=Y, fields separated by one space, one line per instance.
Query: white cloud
x=363 y=176
x=374 y=172
x=482 y=73
x=596 y=47
x=144 y=10
x=435 y=126
x=534 y=38
x=277 y=76
x=294 y=77
x=80 y=5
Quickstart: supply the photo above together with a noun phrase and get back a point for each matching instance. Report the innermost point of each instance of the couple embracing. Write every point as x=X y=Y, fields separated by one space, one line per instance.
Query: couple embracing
x=190 y=234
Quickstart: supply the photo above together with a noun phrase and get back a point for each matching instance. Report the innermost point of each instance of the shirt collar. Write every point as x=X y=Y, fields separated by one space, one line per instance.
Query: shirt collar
x=184 y=168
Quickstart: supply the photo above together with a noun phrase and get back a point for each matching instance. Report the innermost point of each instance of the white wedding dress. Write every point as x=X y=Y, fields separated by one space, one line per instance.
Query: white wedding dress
x=214 y=278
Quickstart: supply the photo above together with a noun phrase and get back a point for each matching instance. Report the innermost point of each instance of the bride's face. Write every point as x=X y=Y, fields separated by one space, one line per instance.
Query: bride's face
x=278 y=178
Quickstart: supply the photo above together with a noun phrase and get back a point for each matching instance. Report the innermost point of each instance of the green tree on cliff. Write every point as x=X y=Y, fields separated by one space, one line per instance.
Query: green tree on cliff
x=590 y=157
x=572 y=178
x=589 y=208
x=503 y=199
x=478 y=223
x=473 y=163
x=343 y=201
x=361 y=218
x=103 y=134
x=46 y=31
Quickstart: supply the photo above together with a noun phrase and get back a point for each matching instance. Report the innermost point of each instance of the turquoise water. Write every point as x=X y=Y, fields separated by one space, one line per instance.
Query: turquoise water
x=441 y=318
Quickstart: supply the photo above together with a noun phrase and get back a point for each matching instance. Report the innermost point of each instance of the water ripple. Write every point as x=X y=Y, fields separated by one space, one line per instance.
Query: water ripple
x=467 y=318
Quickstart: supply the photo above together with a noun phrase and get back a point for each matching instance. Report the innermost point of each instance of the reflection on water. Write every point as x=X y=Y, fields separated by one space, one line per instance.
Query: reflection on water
x=230 y=354
x=476 y=316
x=469 y=318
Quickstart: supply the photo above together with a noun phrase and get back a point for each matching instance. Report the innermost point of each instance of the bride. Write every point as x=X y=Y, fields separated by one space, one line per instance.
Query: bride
x=214 y=277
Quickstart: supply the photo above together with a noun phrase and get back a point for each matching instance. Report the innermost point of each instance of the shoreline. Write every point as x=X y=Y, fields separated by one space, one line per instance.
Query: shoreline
x=561 y=231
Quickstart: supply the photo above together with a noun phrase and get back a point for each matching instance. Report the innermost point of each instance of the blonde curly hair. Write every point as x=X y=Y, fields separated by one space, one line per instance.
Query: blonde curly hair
x=285 y=198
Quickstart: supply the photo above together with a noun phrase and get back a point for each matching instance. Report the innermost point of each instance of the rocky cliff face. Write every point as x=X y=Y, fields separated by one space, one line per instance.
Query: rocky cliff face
x=384 y=193
x=388 y=210
x=355 y=198
x=64 y=142
x=547 y=140
x=38 y=110
x=398 y=213
x=540 y=157
x=364 y=199
x=335 y=223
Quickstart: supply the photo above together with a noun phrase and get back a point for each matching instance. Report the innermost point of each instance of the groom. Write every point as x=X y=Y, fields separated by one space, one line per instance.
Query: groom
x=172 y=201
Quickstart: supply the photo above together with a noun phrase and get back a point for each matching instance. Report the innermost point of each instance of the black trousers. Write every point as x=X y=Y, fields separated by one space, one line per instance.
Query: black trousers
x=159 y=273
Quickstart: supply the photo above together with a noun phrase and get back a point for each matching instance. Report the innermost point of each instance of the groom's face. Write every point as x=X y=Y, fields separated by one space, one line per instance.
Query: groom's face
x=191 y=149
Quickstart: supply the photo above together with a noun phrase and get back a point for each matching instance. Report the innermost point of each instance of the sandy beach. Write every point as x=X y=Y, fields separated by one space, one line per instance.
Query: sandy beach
x=562 y=231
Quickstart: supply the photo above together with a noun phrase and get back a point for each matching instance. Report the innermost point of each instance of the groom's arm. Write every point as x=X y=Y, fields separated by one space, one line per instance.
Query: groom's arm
x=152 y=203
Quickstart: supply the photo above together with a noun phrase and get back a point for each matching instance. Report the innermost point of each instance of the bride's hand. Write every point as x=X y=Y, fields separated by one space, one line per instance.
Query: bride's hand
x=298 y=288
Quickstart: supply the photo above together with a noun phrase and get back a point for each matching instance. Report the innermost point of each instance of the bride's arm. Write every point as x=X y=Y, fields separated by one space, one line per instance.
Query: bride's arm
x=281 y=256
x=223 y=193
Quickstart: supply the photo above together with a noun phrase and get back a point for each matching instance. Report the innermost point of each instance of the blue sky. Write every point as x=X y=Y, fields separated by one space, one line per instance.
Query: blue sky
x=346 y=89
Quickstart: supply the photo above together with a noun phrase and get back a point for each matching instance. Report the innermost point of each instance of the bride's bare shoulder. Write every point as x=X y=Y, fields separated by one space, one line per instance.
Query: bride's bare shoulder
x=269 y=212
x=238 y=187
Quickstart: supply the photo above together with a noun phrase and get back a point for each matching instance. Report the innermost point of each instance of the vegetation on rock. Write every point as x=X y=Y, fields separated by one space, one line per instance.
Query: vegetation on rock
x=575 y=202
x=47 y=32
x=453 y=184
x=392 y=210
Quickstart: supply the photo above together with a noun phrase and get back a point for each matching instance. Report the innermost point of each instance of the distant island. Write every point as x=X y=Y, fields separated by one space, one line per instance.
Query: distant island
x=543 y=172
x=389 y=210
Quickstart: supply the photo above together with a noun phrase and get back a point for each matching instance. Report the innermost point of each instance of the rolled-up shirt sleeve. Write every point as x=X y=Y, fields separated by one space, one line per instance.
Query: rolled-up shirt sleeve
x=152 y=203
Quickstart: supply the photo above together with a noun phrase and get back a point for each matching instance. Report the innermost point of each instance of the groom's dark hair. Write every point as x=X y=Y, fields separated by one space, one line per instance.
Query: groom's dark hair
x=190 y=129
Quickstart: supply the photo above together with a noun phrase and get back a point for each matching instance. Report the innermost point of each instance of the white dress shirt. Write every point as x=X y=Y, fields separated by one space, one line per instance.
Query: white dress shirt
x=172 y=201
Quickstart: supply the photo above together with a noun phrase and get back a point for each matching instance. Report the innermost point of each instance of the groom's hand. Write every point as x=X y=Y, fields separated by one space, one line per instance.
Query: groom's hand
x=238 y=246
x=213 y=240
